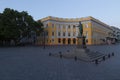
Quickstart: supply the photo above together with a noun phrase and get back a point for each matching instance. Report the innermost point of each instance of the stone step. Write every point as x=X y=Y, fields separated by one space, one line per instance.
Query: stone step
x=81 y=54
x=94 y=55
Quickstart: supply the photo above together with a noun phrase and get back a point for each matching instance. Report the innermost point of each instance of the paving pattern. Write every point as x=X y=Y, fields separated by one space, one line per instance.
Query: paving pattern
x=34 y=63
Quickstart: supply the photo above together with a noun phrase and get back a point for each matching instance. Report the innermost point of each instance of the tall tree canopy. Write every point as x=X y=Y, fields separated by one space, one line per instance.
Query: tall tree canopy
x=14 y=24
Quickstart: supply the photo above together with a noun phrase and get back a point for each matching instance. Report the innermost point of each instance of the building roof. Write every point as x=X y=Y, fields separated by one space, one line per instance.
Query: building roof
x=89 y=18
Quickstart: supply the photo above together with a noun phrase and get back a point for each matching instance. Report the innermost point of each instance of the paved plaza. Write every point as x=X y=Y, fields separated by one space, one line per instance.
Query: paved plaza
x=34 y=63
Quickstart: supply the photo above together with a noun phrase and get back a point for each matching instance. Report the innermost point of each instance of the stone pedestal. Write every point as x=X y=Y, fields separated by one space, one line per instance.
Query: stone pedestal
x=82 y=53
x=81 y=42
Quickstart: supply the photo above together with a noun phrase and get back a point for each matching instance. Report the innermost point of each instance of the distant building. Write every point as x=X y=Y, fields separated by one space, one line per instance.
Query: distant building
x=116 y=32
x=59 y=31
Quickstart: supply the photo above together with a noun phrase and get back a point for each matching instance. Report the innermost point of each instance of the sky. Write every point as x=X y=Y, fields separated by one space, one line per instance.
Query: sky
x=107 y=11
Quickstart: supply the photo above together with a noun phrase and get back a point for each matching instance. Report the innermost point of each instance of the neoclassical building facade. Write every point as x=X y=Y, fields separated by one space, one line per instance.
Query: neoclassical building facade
x=64 y=31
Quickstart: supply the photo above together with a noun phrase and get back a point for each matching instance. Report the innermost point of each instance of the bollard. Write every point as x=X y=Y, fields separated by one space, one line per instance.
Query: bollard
x=103 y=58
x=60 y=55
x=75 y=58
x=108 y=55
x=112 y=53
x=50 y=54
x=96 y=61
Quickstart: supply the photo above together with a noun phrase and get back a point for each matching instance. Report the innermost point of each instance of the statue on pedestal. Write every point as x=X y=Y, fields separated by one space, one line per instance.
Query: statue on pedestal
x=81 y=37
x=80 y=29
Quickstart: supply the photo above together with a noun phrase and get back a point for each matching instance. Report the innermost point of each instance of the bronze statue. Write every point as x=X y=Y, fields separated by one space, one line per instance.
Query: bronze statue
x=81 y=35
x=80 y=28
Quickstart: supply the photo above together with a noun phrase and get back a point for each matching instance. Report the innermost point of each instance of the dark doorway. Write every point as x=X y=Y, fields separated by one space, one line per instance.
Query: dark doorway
x=64 y=41
x=69 y=40
x=74 y=41
x=59 y=40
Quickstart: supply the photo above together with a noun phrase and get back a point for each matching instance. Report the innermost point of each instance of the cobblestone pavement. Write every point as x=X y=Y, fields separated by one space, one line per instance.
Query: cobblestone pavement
x=33 y=63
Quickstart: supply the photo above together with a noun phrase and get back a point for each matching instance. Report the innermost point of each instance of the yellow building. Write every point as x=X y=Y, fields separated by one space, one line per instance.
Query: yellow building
x=59 y=31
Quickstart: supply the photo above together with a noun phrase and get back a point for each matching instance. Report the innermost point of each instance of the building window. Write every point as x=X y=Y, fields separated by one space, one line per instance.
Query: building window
x=86 y=34
x=69 y=34
x=52 y=40
x=86 y=25
x=69 y=27
x=59 y=40
x=46 y=25
x=74 y=33
x=52 y=25
x=86 y=40
x=52 y=33
x=63 y=33
x=63 y=26
x=58 y=33
x=59 y=26
x=73 y=26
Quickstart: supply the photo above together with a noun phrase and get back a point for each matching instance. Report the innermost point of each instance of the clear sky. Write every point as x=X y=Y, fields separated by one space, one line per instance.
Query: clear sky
x=108 y=11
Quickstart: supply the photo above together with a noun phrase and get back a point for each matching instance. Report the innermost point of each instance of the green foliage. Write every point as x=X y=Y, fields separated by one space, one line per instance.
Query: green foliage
x=13 y=24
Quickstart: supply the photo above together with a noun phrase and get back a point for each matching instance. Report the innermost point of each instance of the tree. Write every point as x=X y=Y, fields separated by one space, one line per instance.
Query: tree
x=38 y=27
x=8 y=29
x=15 y=25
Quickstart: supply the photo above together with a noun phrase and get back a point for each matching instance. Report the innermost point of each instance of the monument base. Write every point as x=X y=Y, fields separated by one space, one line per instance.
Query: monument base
x=81 y=42
x=83 y=54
